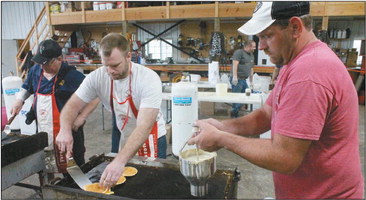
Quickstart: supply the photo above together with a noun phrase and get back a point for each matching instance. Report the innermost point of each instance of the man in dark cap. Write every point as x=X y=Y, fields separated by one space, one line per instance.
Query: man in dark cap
x=312 y=112
x=52 y=82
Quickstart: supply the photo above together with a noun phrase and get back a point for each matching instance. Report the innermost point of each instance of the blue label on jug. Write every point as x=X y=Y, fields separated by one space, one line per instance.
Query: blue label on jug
x=182 y=101
x=11 y=91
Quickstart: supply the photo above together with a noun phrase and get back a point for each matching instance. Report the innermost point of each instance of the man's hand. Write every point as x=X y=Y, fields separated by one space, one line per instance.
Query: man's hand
x=235 y=80
x=79 y=121
x=17 y=106
x=65 y=141
x=214 y=122
x=111 y=174
x=208 y=137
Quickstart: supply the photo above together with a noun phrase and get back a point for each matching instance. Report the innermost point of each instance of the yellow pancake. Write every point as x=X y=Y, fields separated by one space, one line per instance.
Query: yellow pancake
x=129 y=171
x=121 y=180
x=94 y=187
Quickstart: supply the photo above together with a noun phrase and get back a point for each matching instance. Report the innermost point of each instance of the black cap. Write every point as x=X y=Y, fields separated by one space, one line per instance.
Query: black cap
x=266 y=13
x=47 y=50
x=288 y=9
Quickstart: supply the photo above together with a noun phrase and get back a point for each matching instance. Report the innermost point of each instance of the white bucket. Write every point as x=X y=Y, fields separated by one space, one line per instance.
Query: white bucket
x=11 y=86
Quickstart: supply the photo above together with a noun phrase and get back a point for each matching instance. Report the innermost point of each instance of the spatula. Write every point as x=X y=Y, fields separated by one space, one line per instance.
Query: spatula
x=75 y=172
x=7 y=129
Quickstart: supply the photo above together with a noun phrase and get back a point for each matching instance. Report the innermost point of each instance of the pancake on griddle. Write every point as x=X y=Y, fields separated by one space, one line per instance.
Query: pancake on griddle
x=94 y=187
x=130 y=171
x=121 y=180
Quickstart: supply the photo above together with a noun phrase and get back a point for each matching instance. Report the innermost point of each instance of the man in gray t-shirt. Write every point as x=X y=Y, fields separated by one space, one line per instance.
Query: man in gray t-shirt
x=243 y=61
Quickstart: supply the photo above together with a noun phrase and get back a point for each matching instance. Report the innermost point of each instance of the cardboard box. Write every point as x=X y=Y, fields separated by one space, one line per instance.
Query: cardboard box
x=206 y=108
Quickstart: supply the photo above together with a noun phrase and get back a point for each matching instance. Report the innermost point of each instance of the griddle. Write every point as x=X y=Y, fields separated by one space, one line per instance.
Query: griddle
x=17 y=146
x=159 y=179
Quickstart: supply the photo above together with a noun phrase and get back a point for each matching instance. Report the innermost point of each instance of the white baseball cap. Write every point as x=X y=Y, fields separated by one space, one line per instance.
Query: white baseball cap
x=265 y=13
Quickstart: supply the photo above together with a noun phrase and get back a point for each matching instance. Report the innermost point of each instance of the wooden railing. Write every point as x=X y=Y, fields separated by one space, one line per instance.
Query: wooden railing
x=35 y=35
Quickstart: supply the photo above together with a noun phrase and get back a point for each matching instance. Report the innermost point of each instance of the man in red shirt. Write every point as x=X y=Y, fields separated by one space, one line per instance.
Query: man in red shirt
x=312 y=112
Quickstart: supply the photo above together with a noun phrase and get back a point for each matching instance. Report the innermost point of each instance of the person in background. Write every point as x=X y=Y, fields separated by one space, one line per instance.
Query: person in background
x=133 y=93
x=52 y=82
x=274 y=76
x=243 y=61
x=312 y=112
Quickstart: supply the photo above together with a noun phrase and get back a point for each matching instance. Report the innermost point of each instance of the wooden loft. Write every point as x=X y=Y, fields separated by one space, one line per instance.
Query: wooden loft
x=196 y=11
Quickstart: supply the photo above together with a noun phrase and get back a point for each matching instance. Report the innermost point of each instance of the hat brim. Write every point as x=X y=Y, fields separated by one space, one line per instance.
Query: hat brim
x=253 y=27
x=40 y=59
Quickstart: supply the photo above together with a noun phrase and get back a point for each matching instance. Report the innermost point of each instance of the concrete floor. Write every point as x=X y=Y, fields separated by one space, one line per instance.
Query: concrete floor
x=255 y=183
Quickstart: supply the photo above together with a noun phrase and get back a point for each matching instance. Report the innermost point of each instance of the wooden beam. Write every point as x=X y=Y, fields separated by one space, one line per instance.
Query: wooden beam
x=192 y=11
x=345 y=9
x=197 y=11
x=242 y=10
x=67 y=18
x=317 y=9
x=146 y=13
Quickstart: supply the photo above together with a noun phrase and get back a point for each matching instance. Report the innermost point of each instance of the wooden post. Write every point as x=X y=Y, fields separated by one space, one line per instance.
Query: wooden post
x=167 y=10
x=124 y=22
x=217 y=19
x=48 y=13
x=325 y=21
x=83 y=12
x=217 y=25
x=124 y=28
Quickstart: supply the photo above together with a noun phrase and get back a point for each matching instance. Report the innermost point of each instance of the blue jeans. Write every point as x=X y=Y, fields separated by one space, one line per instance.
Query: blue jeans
x=116 y=135
x=238 y=88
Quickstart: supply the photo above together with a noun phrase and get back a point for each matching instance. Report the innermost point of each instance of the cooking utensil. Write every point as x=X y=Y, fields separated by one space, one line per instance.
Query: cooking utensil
x=195 y=130
x=7 y=129
x=75 y=172
x=196 y=172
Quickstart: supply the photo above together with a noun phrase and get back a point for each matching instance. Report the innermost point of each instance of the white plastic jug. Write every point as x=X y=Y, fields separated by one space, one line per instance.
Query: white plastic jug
x=11 y=86
x=184 y=113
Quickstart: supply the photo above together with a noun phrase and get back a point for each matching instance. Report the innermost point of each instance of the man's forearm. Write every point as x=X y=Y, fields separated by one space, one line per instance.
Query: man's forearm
x=70 y=112
x=235 y=68
x=264 y=153
x=23 y=94
x=252 y=124
x=89 y=108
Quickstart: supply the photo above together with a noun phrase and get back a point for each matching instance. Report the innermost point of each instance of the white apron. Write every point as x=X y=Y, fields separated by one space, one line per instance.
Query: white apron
x=48 y=120
x=126 y=116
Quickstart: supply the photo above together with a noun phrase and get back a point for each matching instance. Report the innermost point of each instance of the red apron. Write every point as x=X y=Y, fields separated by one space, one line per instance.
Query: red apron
x=48 y=120
x=126 y=122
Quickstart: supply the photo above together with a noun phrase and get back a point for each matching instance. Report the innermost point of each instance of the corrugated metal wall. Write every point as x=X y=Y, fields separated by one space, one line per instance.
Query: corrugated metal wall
x=157 y=29
x=17 y=18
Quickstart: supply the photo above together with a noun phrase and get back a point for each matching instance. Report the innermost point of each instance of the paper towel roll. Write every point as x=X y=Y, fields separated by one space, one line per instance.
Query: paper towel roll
x=213 y=72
